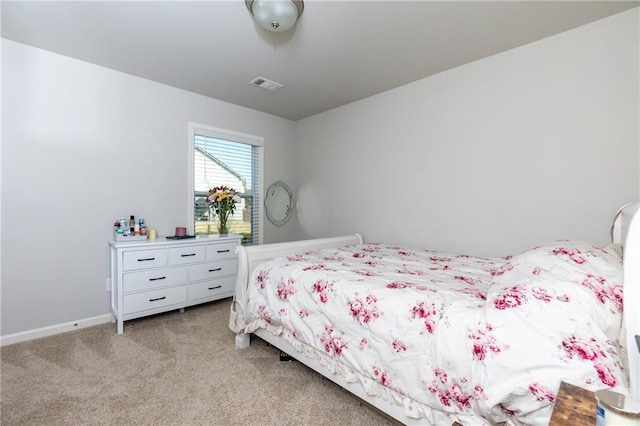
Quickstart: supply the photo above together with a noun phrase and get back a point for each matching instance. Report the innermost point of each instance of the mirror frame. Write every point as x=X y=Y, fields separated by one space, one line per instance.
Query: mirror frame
x=278 y=215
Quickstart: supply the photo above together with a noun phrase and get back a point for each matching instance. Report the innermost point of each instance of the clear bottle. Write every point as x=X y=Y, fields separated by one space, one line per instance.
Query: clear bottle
x=118 y=228
x=143 y=226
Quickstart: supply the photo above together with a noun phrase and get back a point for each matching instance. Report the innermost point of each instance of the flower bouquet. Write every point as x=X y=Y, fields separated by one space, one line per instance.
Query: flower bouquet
x=222 y=201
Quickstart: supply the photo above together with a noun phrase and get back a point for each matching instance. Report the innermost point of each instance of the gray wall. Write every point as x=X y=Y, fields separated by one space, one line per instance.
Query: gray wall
x=535 y=144
x=83 y=145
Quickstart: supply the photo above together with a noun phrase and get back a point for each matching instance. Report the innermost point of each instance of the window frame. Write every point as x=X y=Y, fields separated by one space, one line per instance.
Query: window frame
x=233 y=136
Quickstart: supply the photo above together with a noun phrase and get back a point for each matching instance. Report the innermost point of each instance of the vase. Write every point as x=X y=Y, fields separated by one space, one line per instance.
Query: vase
x=223 y=228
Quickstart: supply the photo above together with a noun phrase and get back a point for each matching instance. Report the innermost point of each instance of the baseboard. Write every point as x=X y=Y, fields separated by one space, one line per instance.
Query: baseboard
x=53 y=330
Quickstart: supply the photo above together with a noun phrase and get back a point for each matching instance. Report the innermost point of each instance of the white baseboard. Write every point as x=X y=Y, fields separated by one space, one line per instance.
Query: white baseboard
x=54 y=329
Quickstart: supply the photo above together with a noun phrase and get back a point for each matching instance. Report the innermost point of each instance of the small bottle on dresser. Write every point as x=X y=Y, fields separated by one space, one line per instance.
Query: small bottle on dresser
x=143 y=226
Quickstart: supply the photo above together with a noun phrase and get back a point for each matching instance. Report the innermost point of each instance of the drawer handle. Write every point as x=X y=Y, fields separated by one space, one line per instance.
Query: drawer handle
x=187 y=255
x=216 y=287
x=147 y=259
x=156 y=279
x=215 y=270
x=158 y=298
x=224 y=251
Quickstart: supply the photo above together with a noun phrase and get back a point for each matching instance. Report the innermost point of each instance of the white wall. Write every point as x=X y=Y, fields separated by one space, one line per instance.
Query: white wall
x=83 y=145
x=532 y=145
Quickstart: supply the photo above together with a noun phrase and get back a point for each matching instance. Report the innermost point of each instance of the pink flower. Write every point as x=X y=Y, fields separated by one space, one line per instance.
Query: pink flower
x=445 y=398
x=399 y=285
x=484 y=342
x=441 y=375
x=355 y=306
x=364 y=311
x=467 y=280
x=501 y=270
x=510 y=298
x=364 y=343
x=286 y=289
x=318 y=267
x=427 y=313
x=332 y=342
x=382 y=377
x=541 y=294
x=261 y=279
x=616 y=295
x=439 y=259
x=586 y=349
x=399 y=346
x=541 y=392
x=262 y=310
x=321 y=287
x=573 y=254
x=460 y=398
x=605 y=375
x=478 y=392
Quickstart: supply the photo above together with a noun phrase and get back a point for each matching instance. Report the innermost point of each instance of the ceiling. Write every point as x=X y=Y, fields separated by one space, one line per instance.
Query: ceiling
x=339 y=52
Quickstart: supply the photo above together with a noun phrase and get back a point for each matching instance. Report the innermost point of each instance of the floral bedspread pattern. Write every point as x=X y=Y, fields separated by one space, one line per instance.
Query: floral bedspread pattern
x=454 y=337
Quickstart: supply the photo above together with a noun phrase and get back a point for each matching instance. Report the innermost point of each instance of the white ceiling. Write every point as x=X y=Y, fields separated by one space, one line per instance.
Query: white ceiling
x=339 y=52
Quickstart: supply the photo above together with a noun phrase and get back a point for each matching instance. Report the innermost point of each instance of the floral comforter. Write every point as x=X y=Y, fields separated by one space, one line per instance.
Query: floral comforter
x=452 y=337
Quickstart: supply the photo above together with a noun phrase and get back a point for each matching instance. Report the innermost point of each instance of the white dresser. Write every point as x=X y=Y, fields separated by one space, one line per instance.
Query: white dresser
x=149 y=277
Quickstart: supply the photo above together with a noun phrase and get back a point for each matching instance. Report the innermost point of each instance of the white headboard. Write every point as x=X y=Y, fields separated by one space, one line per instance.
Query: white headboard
x=626 y=229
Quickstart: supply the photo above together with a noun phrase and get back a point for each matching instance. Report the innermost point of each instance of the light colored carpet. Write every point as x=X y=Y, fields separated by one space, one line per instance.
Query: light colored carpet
x=169 y=369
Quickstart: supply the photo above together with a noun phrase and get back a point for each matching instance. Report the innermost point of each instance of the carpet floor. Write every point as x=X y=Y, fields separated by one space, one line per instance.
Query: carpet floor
x=168 y=369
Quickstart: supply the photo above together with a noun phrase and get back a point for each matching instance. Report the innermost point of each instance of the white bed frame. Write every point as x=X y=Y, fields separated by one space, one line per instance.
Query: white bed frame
x=625 y=222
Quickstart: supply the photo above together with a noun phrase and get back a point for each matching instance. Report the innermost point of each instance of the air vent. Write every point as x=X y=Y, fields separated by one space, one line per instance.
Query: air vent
x=265 y=84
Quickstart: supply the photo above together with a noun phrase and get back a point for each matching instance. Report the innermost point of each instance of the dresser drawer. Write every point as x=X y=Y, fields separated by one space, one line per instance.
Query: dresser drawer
x=154 y=299
x=142 y=259
x=212 y=288
x=222 y=251
x=184 y=255
x=149 y=279
x=210 y=270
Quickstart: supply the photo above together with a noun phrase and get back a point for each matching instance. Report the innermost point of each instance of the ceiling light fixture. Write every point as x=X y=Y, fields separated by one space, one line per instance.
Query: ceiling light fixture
x=275 y=15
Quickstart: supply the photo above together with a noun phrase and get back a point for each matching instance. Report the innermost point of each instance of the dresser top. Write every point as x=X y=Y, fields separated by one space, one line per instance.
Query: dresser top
x=163 y=241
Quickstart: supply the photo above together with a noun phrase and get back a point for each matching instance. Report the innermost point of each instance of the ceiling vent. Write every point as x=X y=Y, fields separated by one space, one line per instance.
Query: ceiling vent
x=265 y=84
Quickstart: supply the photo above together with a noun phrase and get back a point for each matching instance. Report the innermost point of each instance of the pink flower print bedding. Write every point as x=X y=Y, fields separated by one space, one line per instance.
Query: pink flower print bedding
x=477 y=340
x=559 y=311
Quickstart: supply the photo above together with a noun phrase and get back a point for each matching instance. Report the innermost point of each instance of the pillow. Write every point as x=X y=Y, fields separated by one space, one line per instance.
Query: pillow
x=586 y=278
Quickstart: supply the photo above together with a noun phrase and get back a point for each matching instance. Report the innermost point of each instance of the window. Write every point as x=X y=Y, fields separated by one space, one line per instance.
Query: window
x=223 y=157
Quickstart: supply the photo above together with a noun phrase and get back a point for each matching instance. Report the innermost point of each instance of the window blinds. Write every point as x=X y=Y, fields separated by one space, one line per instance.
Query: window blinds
x=228 y=160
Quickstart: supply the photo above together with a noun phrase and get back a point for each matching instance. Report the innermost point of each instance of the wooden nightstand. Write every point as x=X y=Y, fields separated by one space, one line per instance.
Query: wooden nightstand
x=575 y=406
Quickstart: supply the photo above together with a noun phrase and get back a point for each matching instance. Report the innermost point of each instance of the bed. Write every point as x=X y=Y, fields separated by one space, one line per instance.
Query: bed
x=436 y=338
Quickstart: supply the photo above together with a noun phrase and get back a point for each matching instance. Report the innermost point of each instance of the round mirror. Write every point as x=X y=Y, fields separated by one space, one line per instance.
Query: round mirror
x=278 y=203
